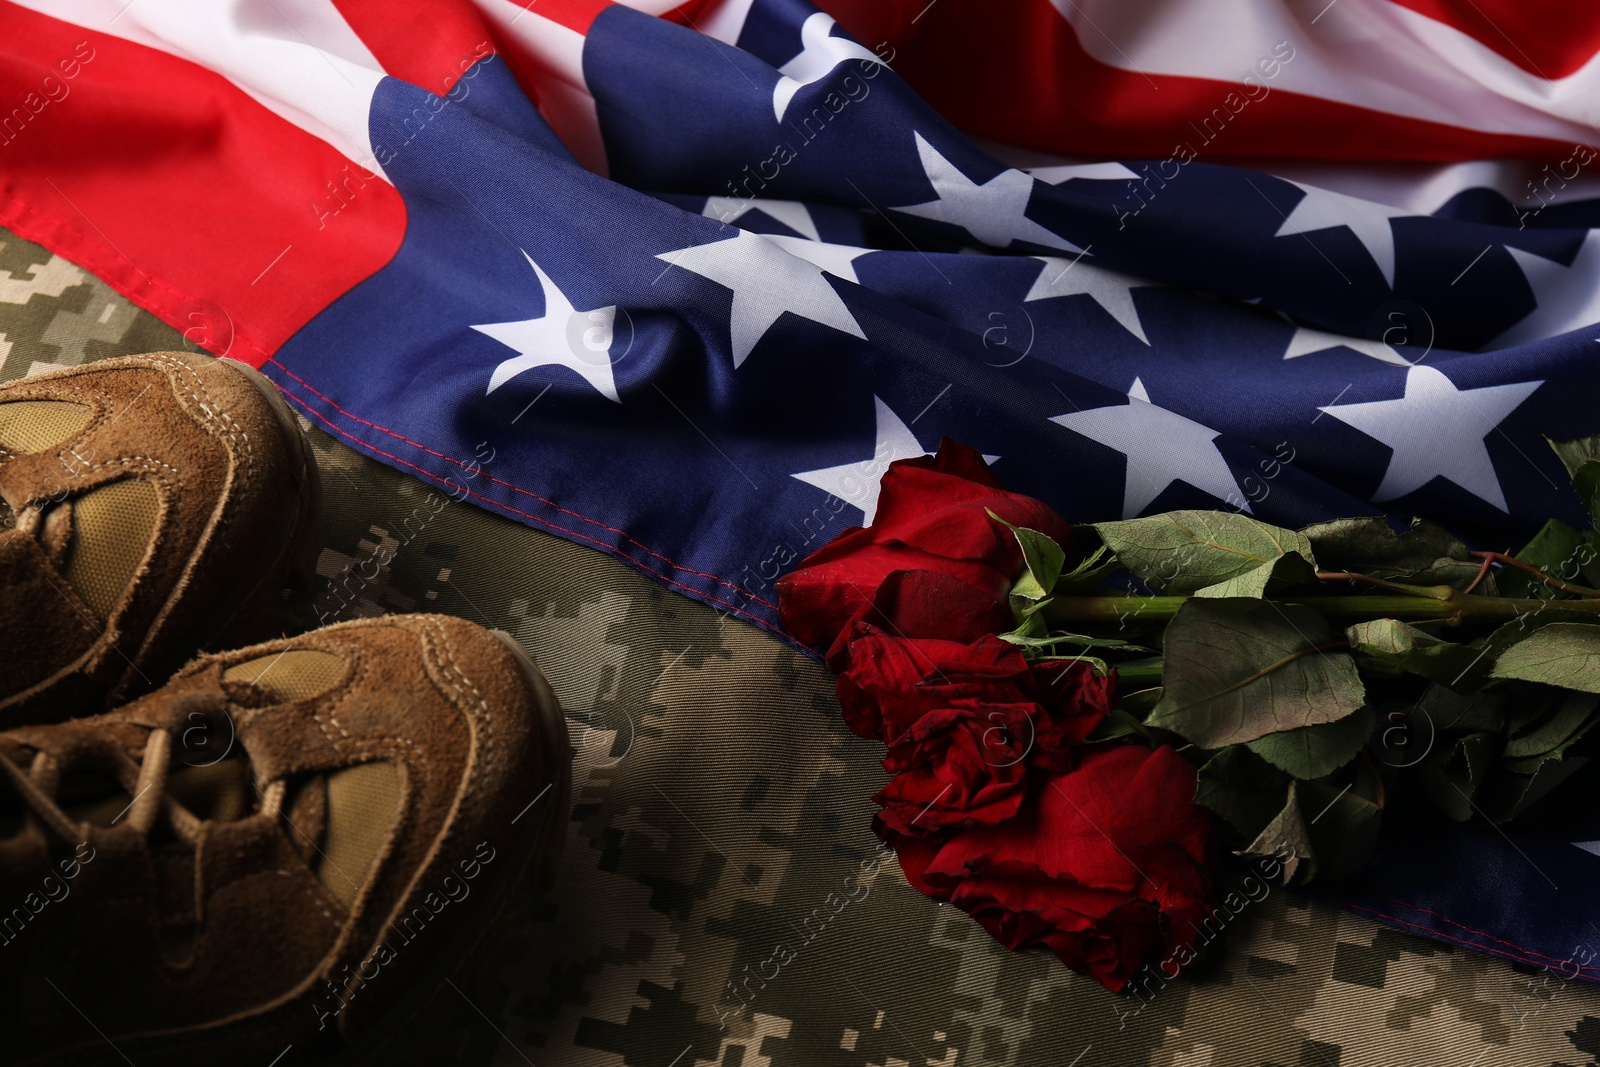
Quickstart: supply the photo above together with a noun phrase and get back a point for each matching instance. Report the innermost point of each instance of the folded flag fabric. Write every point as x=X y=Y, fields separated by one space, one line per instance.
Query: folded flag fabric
x=680 y=281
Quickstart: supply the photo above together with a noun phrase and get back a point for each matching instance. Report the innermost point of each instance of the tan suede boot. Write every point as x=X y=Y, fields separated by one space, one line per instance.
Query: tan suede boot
x=145 y=501
x=278 y=853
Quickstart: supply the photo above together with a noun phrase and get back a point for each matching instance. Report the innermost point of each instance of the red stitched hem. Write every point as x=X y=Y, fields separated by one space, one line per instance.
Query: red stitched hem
x=1470 y=930
x=518 y=489
x=59 y=235
x=1528 y=955
x=531 y=517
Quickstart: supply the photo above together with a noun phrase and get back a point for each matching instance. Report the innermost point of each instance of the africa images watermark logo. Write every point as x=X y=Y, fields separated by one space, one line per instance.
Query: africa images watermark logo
x=53 y=888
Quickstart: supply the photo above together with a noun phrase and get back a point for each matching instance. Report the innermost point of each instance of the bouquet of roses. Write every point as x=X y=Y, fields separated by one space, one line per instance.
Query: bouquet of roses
x=1076 y=740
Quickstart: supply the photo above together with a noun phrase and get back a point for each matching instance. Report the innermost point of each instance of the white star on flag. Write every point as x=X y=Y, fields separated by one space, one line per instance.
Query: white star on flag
x=792 y=213
x=820 y=53
x=993 y=213
x=837 y=260
x=1055 y=175
x=858 y=483
x=1321 y=209
x=1112 y=291
x=554 y=339
x=766 y=282
x=1162 y=447
x=1306 y=341
x=1437 y=431
x=1569 y=297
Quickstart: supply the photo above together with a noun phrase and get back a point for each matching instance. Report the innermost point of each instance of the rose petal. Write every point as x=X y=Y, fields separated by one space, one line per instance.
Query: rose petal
x=1105 y=863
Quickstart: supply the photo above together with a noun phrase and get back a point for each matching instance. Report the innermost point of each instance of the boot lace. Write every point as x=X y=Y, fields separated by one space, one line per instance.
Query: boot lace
x=146 y=780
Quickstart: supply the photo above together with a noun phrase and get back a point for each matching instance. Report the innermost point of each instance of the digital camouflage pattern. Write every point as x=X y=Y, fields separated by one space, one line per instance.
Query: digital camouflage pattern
x=722 y=899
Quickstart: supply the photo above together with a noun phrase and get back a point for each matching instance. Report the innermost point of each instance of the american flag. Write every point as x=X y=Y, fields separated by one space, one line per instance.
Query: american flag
x=679 y=281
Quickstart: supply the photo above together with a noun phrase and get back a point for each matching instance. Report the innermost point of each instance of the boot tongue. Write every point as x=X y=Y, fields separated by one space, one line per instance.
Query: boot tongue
x=304 y=807
x=112 y=527
x=55 y=533
x=95 y=540
x=306 y=811
x=114 y=522
x=51 y=527
x=340 y=819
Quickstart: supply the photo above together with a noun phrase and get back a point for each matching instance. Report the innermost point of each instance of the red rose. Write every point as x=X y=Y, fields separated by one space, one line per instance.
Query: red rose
x=928 y=605
x=1075 y=699
x=932 y=518
x=887 y=683
x=1102 y=865
x=963 y=765
x=963 y=722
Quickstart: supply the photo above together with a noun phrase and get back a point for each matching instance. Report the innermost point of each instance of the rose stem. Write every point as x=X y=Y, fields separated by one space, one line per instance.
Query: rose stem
x=1527 y=568
x=1133 y=677
x=1433 y=603
x=1410 y=590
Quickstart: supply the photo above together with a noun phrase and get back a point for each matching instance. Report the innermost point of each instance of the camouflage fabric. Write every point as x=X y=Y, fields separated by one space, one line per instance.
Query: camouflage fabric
x=722 y=899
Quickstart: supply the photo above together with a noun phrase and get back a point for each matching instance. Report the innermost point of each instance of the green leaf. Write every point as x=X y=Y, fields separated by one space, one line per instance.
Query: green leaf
x=1236 y=670
x=1343 y=825
x=1031 y=625
x=1562 y=552
x=1326 y=831
x=1555 y=731
x=1427 y=555
x=1575 y=454
x=1187 y=551
x=1287 y=836
x=1516 y=631
x=1139 y=702
x=1242 y=789
x=1559 y=551
x=1467 y=712
x=1081 y=642
x=1390 y=647
x=1404 y=734
x=1101 y=667
x=1120 y=724
x=1042 y=561
x=1586 y=483
x=1565 y=654
x=1090 y=571
x=1582 y=460
x=1451 y=774
x=1275 y=574
x=1313 y=751
x=1529 y=704
x=1553 y=547
x=1531 y=764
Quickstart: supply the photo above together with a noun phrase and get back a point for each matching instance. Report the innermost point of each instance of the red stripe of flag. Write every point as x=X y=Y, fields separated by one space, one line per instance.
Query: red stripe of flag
x=1016 y=72
x=1550 y=38
x=242 y=226
x=431 y=46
